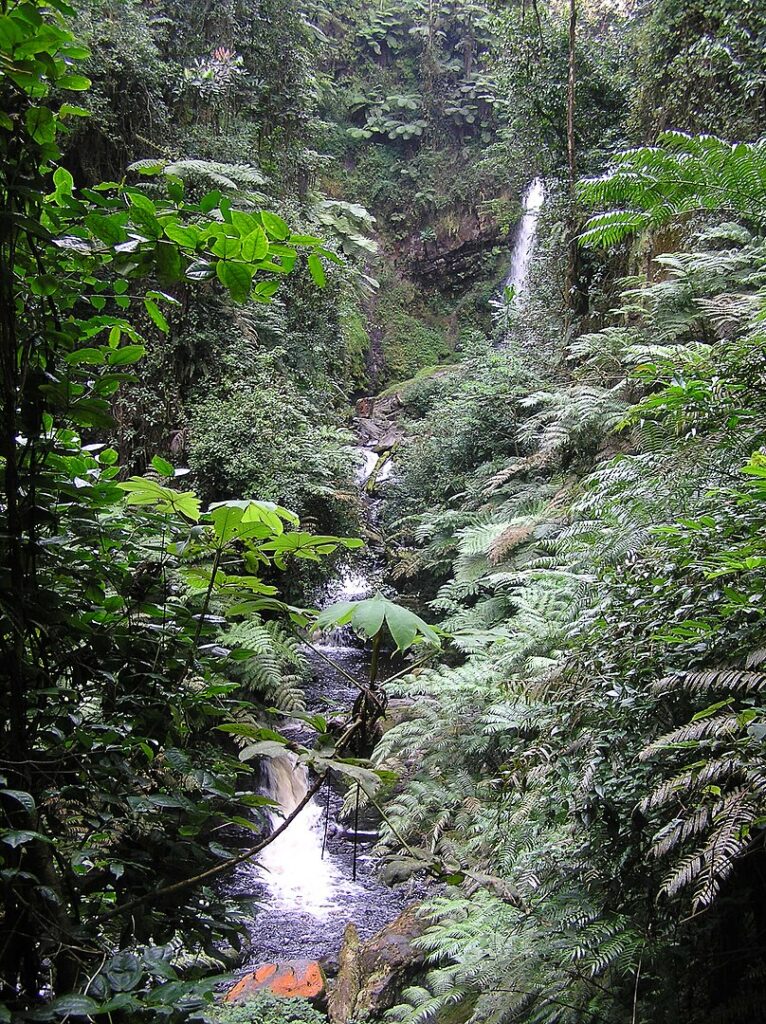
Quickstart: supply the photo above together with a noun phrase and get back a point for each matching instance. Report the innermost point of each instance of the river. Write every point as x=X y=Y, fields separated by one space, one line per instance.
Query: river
x=304 y=879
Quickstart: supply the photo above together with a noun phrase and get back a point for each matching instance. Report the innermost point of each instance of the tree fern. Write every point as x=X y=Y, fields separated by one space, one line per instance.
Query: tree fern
x=275 y=670
x=681 y=175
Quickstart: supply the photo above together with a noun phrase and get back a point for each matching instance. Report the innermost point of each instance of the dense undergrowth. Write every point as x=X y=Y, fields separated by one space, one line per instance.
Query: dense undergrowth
x=600 y=749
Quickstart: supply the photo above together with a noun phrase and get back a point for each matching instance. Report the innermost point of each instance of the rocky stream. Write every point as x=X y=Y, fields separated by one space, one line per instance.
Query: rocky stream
x=323 y=909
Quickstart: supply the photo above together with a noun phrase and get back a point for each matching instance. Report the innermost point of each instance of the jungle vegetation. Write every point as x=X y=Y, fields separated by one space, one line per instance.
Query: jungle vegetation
x=220 y=224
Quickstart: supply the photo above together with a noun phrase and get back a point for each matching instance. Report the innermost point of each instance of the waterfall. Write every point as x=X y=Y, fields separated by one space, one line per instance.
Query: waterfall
x=303 y=877
x=318 y=874
x=368 y=461
x=518 y=276
x=294 y=868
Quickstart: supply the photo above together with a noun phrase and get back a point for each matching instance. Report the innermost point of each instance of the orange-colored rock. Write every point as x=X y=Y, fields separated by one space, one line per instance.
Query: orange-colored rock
x=289 y=979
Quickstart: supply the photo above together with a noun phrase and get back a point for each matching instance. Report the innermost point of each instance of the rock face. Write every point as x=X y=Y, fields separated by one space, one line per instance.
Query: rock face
x=371 y=974
x=461 y=239
x=377 y=424
x=289 y=979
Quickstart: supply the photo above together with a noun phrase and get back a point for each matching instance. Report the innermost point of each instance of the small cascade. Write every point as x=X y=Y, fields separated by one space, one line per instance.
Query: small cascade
x=518 y=276
x=294 y=867
x=368 y=461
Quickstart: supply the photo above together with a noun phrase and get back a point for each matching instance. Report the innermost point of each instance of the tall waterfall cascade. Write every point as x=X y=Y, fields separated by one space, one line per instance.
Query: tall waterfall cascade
x=518 y=276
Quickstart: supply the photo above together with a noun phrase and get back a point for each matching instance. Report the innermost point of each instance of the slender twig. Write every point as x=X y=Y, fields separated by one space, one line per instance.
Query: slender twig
x=356 y=833
x=635 y=988
x=326 y=815
x=205 y=606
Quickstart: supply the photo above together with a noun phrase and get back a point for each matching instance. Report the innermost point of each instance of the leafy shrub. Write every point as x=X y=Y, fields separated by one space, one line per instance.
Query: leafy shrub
x=269 y=1010
x=460 y=419
x=261 y=436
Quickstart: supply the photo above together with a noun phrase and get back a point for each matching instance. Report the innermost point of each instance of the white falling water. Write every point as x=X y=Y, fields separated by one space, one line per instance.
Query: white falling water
x=518 y=277
x=296 y=873
x=369 y=459
x=299 y=873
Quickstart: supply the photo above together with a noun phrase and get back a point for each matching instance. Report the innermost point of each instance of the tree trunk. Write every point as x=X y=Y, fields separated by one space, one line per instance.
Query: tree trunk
x=574 y=294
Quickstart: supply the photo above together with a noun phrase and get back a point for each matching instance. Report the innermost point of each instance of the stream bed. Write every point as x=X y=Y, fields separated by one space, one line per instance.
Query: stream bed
x=303 y=883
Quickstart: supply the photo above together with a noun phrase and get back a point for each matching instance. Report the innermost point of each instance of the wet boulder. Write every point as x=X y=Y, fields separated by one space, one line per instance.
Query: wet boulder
x=288 y=979
x=372 y=974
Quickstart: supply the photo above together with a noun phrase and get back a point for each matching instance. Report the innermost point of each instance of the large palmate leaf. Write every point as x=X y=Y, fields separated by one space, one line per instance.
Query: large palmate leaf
x=367 y=618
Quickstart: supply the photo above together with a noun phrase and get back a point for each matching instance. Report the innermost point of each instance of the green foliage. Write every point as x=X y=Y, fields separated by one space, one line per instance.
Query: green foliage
x=408 y=341
x=260 y=436
x=118 y=594
x=532 y=72
x=268 y=1010
x=683 y=174
x=701 y=69
x=368 y=618
x=594 y=758
x=458 y=419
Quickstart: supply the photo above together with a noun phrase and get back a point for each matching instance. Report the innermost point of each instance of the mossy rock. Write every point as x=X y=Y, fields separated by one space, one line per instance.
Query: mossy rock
x=372 y=974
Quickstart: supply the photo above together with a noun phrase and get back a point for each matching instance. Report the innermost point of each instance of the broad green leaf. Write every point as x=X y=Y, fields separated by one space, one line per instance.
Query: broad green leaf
x=144 y=491
x=41 y=124
x=77 y=83
x=68 y=110
x=18 y=796
x=181 y=234
x=251 y=732
x=199 y=270
x=403 y=626
x=338 y=614
x=44 y=284
x=367 y=617
x=226 y=519
x=274 y=225
x=226 y=247
x=162 y=466
x=157 y=316
x=91 y=356
x=11 y=33
x=168 y=263
x=123 y=971
x=245 y=223
x=317 y=270
x=63 y=181
x=109 y=230
x=126 y=355
x=237 y=278
x=304 y=240
x=255 y=246
x=266 y=289
x=77 y=1005
x=265 y=748
x=210 y=201
x=20 y=837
